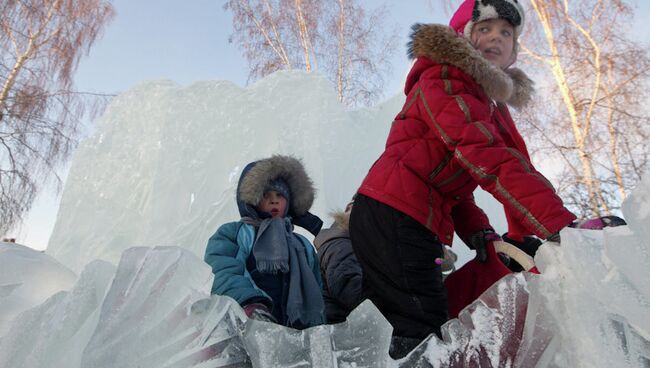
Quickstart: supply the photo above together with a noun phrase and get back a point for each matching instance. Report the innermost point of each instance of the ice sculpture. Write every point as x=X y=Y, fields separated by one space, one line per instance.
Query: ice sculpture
x=362 y=341
x=54 y=333
x=504 y=328
x=27 y=278
x=596 y=284
x=147 y=319
x=163 y=163
x=154 y=311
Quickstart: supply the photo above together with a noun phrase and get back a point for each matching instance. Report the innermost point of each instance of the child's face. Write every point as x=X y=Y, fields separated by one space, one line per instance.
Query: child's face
x=494 y=38
x=273 y=203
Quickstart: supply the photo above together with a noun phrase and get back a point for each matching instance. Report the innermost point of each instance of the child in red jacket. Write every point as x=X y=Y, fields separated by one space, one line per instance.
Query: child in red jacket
x=454 y=133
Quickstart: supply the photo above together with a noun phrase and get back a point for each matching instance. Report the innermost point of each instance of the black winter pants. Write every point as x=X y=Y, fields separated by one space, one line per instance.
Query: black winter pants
x=400 y=276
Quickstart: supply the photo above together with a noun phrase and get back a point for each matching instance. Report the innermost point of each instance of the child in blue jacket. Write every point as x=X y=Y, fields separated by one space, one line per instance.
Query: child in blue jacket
x=272 y=272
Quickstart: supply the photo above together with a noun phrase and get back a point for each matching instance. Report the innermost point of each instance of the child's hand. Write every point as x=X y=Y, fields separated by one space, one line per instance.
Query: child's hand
x=598 y=223
x=529 y=244
x=479 y=241
x=309 y=222
x=259 y=312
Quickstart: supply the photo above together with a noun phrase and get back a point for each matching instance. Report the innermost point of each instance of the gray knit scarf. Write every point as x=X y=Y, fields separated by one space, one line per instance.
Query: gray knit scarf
x=278 y=249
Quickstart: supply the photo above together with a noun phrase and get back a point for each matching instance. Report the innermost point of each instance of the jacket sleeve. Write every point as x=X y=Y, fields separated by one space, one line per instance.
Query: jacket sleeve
x=342 y=272
x=226 y=253
x=463 y=123
x=469 y=218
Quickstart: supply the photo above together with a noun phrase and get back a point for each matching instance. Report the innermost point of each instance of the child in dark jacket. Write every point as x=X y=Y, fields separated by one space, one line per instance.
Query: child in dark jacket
x=340 y=270
x=259 y=261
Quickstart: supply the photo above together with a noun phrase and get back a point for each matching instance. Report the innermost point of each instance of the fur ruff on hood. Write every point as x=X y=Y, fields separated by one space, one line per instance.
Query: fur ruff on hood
x=339 y=229
x=255 y=181
x=442 y=45
x=342 y=219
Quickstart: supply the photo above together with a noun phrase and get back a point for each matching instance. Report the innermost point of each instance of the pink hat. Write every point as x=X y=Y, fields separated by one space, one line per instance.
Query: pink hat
x=471 y=12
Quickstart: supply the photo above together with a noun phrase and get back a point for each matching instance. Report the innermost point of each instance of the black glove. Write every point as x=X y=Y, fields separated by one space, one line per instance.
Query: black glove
x=528 y=245
x=479 y=241
x=309 y=222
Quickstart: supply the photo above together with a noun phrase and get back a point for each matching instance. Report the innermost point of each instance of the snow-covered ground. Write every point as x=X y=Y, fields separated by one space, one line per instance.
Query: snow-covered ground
x=158 y=177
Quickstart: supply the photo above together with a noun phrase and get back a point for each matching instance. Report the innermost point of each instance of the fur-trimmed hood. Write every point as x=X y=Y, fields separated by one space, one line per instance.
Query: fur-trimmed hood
x=342 y=219
x=442 y=45
x=258 y=175
x=339 y=229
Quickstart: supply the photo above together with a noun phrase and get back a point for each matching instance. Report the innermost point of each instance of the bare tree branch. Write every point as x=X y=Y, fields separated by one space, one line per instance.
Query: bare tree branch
x=594 y=117
x=41 y=43
x=346 y=43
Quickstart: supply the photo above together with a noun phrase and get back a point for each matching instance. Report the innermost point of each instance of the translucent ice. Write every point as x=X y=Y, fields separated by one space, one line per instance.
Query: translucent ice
x=54 y=333
x=362 y=341
x=593 y=287
x=501 y=329
x=147 y=319
x=153 y=311
x=27 y=278
x=163 y=163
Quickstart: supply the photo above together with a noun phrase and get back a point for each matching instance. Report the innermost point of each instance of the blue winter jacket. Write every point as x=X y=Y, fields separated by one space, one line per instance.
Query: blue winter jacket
x=229 y=253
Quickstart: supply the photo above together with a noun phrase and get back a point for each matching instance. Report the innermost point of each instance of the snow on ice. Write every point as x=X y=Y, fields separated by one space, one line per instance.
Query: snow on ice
x=141 y=297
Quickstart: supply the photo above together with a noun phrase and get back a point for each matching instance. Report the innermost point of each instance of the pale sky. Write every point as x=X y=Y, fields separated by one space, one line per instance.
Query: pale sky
x=187 y=42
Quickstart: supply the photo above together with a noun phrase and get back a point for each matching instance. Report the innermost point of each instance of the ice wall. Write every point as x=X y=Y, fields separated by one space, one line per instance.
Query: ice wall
x=153 y=310
x=55 y=332
x=597 y=286
x=27 y=278
x=139 y=314
x=163 y=163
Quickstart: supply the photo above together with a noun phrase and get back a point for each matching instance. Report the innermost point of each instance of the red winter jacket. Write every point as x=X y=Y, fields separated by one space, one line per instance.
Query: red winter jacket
x=451 y=136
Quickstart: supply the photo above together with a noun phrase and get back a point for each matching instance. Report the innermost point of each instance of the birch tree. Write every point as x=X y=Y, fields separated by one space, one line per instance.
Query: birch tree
x=41 y=43
x=597 y=121
x=337 y=38
x=589 y=115
x=358 y=57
